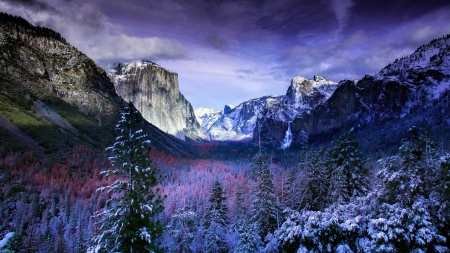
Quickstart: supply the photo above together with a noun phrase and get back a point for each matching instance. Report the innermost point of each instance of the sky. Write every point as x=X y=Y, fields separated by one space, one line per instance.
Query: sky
x=227 y=52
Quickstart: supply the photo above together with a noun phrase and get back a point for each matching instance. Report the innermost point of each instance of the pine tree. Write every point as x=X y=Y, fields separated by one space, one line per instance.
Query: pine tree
x=216 y=221
x=265 y=213
x=182 y=229
x=127 y=222
x=313 y=189
x=414 y=173
x=249 y=240
x=240 y=210
x=346 y=168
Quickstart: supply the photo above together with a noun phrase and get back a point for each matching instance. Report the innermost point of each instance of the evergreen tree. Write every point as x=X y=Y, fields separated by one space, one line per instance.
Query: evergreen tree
x=216 y=221
x=265 y=213
x=411 y=212
x=313 y=190
x=182 y=230
x=414 y=173
x=127 y=222
x=240 y=210
x=249 y=240
x=346 y=168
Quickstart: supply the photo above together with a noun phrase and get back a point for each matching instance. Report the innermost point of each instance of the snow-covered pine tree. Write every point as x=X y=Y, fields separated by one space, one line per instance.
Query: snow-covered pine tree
x=216 y=221
x=264 y=210
x=239 y=210
x=313 y=184
x=182 y=230
x=249 y=240
x=346 y=168
x=127 y=222
x=410 y=212
x=414 y=173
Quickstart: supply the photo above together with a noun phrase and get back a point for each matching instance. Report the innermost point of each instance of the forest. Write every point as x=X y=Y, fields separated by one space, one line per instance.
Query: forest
x=323 y=198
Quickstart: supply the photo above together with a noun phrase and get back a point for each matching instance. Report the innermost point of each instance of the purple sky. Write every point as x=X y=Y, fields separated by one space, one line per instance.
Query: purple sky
x=226 y=52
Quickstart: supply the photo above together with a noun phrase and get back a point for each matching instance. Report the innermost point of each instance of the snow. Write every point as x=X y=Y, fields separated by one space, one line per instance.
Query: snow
x=237 y=124
x=440 y=88
x=131 y=67
x=6 y=239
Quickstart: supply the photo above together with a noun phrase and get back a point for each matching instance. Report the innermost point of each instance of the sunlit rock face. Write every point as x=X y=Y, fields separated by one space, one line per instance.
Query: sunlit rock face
x=154 y=91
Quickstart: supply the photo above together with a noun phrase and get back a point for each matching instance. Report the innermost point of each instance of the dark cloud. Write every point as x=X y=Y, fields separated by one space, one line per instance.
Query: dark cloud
x=217 y=42
x=33 y=4
x=244 y=73
x=382 y=15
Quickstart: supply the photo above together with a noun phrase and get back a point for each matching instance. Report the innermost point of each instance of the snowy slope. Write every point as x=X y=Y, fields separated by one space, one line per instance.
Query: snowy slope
x=232 y=123
x=428 y=65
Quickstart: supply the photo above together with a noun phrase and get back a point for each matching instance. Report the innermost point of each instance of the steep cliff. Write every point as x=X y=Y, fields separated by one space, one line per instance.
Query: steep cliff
x=155 y=93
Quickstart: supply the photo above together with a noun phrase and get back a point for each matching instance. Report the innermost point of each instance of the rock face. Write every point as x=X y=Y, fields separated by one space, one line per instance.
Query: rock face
x=401 y=89
x=154 y=91
x=302 y=97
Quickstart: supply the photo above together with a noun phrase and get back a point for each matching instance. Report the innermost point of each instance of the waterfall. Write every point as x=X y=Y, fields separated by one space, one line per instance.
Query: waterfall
x=287 y=138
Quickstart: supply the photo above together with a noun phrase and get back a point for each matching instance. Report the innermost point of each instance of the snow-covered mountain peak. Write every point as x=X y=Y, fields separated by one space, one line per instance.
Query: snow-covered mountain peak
x=321 y=80
x=201 y=111
x=207 y=116
x=301 y=89
x=126 y=68
x=429 y=66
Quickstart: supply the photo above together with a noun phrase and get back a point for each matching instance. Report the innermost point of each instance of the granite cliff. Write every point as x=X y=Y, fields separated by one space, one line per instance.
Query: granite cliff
x=155 y=93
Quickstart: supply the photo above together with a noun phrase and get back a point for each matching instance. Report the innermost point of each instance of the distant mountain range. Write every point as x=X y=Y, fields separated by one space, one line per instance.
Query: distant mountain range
x=411 y=90
x=238 y=123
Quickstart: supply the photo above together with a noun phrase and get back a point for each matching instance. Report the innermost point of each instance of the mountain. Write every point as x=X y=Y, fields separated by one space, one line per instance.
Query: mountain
x=155 y=93
x=53 y=97
x=410 y=91
x=232 y=123
x=237 y=123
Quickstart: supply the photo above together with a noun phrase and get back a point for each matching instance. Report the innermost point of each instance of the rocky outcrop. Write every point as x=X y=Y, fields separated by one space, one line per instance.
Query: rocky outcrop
x=154 y=91
x=302 y=97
